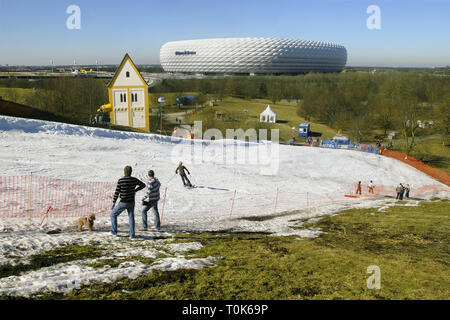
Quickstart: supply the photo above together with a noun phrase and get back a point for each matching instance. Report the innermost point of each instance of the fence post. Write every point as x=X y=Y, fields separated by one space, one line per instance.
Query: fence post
x=164 y=205
x=30 y=186
x=276 y=202
x=232 y=203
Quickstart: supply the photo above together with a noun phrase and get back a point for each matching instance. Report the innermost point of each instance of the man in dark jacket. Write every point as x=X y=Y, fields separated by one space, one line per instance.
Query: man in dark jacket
x=127 y=186
x=181 y=169
x=151 y=200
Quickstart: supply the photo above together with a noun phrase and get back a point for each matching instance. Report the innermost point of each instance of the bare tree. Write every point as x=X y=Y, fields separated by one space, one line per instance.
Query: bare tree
x=407 y=115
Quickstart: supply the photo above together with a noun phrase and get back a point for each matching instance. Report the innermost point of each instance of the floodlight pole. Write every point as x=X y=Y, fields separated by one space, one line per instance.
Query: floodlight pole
x=160 y=118
x=161 y=100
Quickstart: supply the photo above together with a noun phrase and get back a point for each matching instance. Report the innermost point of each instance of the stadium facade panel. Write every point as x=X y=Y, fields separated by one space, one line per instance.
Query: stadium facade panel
x=252 y=55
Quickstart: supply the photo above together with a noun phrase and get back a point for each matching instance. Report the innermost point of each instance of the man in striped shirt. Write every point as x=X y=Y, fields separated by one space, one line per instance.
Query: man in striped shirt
x=127 y=187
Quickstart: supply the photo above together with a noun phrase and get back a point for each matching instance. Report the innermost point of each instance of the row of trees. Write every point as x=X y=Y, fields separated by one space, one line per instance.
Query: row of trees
x=363 y=104
x=71 y=97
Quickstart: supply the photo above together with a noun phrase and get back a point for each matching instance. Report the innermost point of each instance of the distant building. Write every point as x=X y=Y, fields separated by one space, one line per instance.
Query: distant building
x=252 y=56
x=128 y=96
x=303 y=129
x=268 y=115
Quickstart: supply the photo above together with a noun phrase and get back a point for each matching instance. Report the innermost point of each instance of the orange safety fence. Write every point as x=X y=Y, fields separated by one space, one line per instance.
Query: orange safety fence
x=419 y=165
x=41 y=197
x=33 y=196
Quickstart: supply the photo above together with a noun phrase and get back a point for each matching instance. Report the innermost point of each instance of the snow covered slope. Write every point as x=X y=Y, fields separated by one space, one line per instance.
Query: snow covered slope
x=311 y=182
x=305 y=176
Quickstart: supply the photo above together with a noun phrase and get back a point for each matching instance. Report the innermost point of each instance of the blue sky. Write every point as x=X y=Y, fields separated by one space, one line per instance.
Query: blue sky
x=413 y=33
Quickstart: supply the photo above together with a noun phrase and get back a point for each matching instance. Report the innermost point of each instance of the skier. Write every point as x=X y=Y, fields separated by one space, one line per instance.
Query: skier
x=371 y=186
x=151 y=200
x=181 y=169
x=358 y=188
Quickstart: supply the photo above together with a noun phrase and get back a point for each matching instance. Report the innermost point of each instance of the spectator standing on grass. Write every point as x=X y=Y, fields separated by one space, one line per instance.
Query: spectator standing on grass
x=150 y=201
x=127 y=186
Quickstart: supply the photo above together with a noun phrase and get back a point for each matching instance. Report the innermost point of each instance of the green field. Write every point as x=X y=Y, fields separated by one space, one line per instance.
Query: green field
x=434 y=152
x=17 y=95
x=235 y=117
x=410 y=245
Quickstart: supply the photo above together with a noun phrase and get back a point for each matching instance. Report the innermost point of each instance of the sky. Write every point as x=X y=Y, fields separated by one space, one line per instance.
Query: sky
x=414 y=33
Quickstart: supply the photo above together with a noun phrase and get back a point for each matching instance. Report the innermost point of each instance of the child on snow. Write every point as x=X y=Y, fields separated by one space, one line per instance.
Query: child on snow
x=370 y=187
x=182 y=170
x=358 y=188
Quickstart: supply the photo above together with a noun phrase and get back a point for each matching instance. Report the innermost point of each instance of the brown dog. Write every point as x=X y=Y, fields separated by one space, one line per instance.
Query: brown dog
x=86 y=221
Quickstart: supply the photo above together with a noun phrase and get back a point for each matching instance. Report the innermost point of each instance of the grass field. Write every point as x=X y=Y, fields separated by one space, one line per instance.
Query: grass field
x=410 y=245
x=17 y=95
x=235 y=117
x=434 y=153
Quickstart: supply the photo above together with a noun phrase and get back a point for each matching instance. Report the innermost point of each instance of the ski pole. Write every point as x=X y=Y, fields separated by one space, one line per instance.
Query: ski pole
x=195 y=180
x=171 y=178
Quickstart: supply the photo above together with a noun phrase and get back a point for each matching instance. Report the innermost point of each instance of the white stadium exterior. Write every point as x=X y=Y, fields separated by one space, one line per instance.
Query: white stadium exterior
x=252 y=55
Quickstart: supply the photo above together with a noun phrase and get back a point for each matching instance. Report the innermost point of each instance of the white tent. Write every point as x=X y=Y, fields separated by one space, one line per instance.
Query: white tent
x=340 y=137
x=268 y=115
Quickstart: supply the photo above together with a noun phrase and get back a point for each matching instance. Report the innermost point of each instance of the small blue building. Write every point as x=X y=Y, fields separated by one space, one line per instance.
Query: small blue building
x=304 y=129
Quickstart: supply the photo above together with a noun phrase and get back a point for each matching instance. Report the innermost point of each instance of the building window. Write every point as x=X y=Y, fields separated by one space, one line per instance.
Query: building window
x=128 y=74
x=135 y=97
x=121 y=98
x=132 y=97
x=124 y=97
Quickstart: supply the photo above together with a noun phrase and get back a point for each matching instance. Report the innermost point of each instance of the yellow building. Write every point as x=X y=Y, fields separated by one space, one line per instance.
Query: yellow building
x=128 y=97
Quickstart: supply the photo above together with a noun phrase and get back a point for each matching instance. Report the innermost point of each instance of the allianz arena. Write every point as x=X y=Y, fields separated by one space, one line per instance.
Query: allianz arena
x=252 y=55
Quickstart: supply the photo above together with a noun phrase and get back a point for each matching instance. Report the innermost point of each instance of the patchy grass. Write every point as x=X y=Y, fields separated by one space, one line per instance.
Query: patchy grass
x=409 y=244
x=52 y=257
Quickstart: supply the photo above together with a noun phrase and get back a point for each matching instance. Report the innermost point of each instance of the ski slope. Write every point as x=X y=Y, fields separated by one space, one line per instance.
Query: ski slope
x=311 y=182
x=304 y=176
